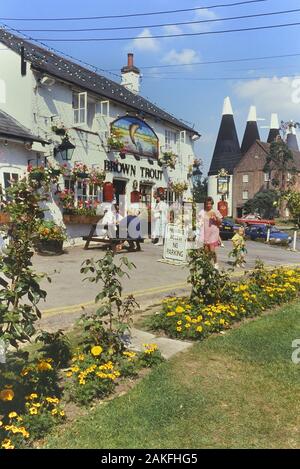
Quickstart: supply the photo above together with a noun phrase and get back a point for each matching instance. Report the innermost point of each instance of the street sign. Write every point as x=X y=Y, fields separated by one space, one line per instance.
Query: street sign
x=175 y=247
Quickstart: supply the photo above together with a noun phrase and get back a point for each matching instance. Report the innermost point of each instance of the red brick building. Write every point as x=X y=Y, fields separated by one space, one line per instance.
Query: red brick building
x=249 y=176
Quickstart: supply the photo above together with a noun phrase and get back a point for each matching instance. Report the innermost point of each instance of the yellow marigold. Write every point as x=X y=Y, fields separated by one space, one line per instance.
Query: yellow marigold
x=222 y=321
x=188 y=307
x=33 y=411
x=1 y=423
x=179 y=309
x=44 y=366
x=179 y=323
x=62 y=413
x=187 y=325
x=179 y=329
x=7 y=444
x=32 y=396
x=7 y=395
x=171 y=313
x=199 y=329
x=96 y=350
x=12 y=415
x=69 y=374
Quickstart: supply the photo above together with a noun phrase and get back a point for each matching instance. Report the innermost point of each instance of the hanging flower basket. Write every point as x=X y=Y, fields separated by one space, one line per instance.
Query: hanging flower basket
x=80 y=171
x=97 y=177
x=178 y=187
x=58 y=130
x=168 y=159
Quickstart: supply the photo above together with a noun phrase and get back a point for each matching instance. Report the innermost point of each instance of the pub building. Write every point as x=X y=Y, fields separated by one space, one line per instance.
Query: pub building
x=88 y=119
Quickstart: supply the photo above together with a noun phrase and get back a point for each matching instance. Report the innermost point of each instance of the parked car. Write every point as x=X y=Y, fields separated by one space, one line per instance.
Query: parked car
x=228 y=228
x=259 y=232
x=254 y=219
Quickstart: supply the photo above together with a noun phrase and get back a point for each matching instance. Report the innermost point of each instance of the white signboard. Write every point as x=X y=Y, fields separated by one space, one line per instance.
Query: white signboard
x=175 y=244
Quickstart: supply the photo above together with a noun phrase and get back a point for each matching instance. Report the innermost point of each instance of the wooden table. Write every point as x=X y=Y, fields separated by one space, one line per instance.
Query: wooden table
x=115 y=244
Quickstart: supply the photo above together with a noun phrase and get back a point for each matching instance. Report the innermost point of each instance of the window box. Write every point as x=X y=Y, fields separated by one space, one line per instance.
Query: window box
x=74 y=219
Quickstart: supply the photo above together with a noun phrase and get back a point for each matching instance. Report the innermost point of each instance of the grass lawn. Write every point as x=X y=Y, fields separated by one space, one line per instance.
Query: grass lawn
x=238 y=390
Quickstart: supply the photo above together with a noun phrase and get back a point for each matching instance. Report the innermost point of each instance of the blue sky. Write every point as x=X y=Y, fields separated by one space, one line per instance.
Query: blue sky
x=177 y=89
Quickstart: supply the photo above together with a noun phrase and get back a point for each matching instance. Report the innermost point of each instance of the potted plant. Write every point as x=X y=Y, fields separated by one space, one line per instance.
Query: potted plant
x=4 y=217
x=50 y=238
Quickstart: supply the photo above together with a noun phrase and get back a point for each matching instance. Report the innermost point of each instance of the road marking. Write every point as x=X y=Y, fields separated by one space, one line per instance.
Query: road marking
x=136 y=294
x=140 y=293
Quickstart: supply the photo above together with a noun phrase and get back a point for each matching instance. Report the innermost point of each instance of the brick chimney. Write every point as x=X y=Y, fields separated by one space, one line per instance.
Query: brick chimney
x=131 y=75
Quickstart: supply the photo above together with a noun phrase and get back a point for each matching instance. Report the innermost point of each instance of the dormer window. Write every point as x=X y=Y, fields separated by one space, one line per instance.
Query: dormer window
x=80 y=108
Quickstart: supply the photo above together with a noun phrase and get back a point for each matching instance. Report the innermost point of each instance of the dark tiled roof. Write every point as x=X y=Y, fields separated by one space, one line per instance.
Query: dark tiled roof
x=250 y=136
x=11 y=128
x=56 y=65
x=227 y=151
x=266 y=149
x=292 y=142
x=272 y=135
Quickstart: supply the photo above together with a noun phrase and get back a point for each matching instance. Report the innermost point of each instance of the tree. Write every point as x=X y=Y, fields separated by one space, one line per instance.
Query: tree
x=293 y=204
x=200 y=190
x=280 y=162
x=264 y=202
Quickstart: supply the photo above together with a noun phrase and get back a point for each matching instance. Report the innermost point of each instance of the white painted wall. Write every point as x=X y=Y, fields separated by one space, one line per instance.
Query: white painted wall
x=38 y=107
x=212 y=191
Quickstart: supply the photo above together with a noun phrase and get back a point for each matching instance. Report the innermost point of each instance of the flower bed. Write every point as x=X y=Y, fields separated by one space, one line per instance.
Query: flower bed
x=261 y=290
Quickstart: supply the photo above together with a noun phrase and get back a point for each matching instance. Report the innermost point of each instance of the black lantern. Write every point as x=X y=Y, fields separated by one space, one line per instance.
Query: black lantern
x=65 y=149
x=196 y=176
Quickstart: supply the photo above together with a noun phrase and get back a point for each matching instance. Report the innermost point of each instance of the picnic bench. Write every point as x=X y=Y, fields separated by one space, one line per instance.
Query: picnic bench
x=116 y=244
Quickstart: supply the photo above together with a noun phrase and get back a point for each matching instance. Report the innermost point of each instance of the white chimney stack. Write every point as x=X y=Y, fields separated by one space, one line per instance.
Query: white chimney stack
x=131 y=75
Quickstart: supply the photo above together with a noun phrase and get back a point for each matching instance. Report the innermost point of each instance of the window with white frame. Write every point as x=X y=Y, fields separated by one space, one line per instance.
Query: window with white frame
x=182 y=137
x=267 y=177
x=245 y=195
x=80 y=108
x=7 y=179
x=83 y=191
x=170 y=139
x=245 y=178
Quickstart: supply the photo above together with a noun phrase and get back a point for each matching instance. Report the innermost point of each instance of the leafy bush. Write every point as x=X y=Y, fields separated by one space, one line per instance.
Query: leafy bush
x=56 y=346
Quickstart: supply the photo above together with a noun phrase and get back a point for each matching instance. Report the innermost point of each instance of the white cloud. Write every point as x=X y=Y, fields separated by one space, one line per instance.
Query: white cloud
x=275 y=94
x=149 y=43
x=203 y=15
x=186 y=56
x=172 y=29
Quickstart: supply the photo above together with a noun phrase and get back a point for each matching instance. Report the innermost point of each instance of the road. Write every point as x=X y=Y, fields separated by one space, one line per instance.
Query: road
x=150 y=281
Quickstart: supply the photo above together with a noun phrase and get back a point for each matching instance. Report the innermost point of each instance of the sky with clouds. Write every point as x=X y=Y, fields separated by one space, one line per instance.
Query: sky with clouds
x=192 y=92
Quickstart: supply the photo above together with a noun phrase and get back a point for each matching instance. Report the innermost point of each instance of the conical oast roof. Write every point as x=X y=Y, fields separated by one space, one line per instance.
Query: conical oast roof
x=291 y=140
x=227 y=152
x=274 y=128
x=251 y=132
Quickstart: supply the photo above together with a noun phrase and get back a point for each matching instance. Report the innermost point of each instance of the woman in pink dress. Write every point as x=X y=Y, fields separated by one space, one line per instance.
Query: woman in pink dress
x=209 y=224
